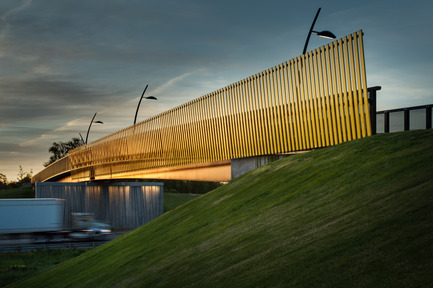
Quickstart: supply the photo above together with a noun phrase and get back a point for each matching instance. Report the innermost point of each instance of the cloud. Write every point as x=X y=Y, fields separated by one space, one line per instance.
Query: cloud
x=71 y=125
x=9 y=13
x=171 y=82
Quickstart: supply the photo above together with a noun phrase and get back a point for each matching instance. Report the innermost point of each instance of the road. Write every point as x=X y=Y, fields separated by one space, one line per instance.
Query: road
x=24 y=245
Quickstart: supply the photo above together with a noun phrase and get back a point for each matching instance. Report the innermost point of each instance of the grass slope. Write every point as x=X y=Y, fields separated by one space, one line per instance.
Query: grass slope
x=359 y=214
x=22 y=192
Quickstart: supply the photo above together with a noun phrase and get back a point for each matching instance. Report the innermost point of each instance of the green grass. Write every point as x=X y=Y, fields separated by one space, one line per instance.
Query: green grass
x=22 y=192
x=174 y=200
x=16 y=266
x=359 y=214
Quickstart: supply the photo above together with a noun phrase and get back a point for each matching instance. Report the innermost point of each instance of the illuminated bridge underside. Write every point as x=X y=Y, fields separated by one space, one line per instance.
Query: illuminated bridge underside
x=315 y=100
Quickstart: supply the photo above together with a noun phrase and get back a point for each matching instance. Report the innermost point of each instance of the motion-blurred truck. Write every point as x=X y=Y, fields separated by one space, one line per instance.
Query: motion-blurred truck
x=41 y=220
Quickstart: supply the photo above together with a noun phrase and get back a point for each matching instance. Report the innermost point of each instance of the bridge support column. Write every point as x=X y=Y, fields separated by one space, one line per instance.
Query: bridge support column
x=241 y=166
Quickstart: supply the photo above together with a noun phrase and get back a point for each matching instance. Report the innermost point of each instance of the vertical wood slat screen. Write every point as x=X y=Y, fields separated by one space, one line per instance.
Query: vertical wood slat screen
x=314 y=100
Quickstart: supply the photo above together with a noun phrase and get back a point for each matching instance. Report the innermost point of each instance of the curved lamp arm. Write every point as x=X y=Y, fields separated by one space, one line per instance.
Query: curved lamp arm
x=88 y=130
x=139 y=102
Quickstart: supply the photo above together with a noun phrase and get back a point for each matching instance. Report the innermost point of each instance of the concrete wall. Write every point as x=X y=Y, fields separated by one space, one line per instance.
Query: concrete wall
x=241 y=166
x=122 y=205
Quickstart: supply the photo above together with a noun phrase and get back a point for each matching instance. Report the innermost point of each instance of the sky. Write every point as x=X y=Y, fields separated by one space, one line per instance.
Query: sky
x=63 y=61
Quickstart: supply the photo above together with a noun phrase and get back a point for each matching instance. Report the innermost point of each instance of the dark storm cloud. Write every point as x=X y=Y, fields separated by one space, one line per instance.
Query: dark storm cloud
x=37 y=98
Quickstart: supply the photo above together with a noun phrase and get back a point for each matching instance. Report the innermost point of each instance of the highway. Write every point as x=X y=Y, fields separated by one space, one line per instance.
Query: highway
x=25 y=245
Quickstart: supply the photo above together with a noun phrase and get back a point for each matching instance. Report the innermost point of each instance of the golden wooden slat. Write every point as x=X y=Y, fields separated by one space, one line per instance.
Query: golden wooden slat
x=316 y=104
x=243 y=116
x=362 y=87
x=226 y=143
x=336 y=95
x=300 y=103
x=354 y=87
x=277 y=98
x=294 y=104
x=230 y=140
x=249 y=117
x=212 y=129
x=284 y=108
x=359 y=85
x=235 y=127
x=330 y=98
x=202 y=123
x=304 y=101
x=264 y=112
x=291 y=128
x=258 y=115
x=274 y=110
x=342 y=93
x=186 y=149
x=241 y=127
x=327 y=120
x=199 y=137
x=364 y=82
x=345 y=123
x=309 y=98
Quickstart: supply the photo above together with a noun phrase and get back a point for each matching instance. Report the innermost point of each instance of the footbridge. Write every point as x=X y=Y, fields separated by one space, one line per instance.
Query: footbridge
x=315 y=100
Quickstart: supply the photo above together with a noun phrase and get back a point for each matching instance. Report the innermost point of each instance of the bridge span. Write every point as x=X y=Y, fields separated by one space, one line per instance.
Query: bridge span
x=315 y=100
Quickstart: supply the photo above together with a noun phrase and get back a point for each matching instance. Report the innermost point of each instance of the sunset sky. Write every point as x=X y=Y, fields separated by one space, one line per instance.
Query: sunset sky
x=62 y=61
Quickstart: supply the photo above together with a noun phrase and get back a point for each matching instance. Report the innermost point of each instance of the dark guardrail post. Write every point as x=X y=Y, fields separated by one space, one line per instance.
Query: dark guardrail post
x=386 y=120
x=372 y=98
x=406 y=119
x=428 y=117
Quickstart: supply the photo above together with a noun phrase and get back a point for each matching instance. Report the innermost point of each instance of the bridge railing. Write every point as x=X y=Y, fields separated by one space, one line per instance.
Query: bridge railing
x=59 y=167
x=404 y=119
x=314 y=100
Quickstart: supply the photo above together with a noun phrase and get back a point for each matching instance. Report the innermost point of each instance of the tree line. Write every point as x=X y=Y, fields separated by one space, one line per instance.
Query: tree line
x=24 y=178
x=58 y=151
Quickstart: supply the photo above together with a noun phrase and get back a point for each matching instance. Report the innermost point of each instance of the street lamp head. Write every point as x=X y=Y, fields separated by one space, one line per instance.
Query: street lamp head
x=100 y=122
x=139 y=102
x=325 y=34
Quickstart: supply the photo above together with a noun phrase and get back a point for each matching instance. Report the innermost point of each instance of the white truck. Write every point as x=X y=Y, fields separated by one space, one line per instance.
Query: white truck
x=41 y=220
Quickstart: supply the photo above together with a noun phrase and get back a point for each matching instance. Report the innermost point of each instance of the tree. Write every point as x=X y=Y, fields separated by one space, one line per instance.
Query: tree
x=3 y=181
x=23 y=176
x=61 y=149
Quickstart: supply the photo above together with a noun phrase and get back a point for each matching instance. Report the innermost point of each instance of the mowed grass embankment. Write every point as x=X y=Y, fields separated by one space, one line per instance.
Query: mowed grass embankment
x=21 y=192
x=359 y=214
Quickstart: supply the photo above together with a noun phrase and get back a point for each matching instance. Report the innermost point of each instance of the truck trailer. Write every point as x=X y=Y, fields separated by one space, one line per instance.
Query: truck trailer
x=41 y=220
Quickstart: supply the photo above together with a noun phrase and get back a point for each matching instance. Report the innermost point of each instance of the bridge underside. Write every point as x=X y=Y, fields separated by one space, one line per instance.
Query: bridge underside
x=217 y=171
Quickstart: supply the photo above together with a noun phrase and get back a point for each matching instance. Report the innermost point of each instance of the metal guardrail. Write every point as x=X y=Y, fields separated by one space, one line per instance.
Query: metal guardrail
x=50 y=246
x=405 y=119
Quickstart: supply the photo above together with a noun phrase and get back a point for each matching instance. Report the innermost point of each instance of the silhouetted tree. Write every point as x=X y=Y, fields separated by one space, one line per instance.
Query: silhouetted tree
x=24 y=177
x=3 y=181
x=61 y=149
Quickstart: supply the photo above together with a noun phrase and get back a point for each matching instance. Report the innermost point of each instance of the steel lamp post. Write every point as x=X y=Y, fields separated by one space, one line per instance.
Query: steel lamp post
x=91 y=122
x=139 y=102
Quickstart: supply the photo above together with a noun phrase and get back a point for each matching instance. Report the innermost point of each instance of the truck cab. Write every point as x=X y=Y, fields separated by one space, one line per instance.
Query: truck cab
x=84 y=226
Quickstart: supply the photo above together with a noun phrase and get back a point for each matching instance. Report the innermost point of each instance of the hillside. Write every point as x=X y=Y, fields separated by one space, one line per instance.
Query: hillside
x=359 y=214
